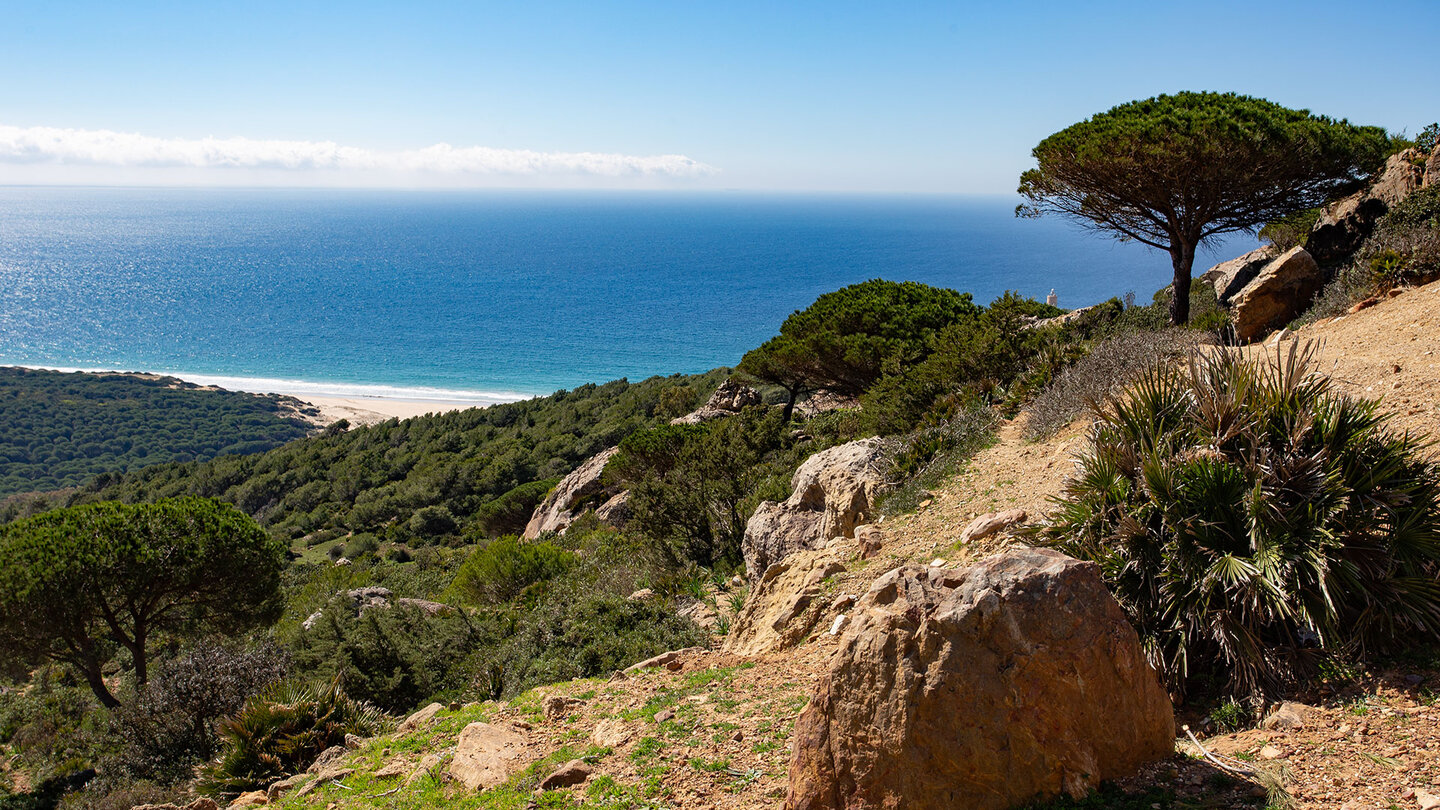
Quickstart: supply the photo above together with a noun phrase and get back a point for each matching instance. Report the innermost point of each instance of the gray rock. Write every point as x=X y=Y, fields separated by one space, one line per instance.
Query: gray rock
x=730 y=398
x=571 y=773
x=1228 y=278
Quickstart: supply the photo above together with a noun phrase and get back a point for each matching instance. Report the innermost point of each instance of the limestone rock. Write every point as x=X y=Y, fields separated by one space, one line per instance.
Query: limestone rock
x=419 y=719
x=783 y=605
x=202 y=803
x=730 y=398
x=429 y=764
x=392 y=769
x=825 y=402
x=329 y=759
x=663 y=659
x=611 y=733
x=567 y=501
x=254 y=798
x=1345 y=224
x=982 y=688
x=555 y=707
x=571 y=773
x=698 y=612
x=487 y=755
x=832 y=494
x=1280 y=293
x=1229 y=278
x=869 y=539
x=280 y=787
x=616 y=511
x=1289 y=717
x=991 y=523
x=1432 y=169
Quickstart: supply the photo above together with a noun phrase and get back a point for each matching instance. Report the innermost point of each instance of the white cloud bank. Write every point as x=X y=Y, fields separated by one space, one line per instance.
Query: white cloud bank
x=51 y=146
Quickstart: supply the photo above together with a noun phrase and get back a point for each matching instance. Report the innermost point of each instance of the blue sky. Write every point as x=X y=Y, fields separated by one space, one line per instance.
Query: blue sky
x=830 y=96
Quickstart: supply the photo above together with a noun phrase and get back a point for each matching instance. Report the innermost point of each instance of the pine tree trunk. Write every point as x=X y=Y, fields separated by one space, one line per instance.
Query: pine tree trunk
x=1182 y=258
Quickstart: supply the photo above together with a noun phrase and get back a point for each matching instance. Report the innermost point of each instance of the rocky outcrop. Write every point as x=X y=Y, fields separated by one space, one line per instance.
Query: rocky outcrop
x=374 y=596
x=825 y=402
x=784 y=605
x=729 y=399
x=1345 y=224
x=833 y=492
x=1432 y=168
x=570 y=498
x=487 y=755
x=1228 y=278
x=616 y=511
x=1281 y=291
x=981 y=688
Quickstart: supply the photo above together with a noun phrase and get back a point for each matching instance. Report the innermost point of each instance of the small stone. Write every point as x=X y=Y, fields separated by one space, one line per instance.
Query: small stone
x=641 y=595
x=571 y=773
x=1271 y=752
x=925 y=504
x=938 y=562
x=675 y=666
x=838 y=624
x=738 y=736
x=455 y=706
x=663 y=715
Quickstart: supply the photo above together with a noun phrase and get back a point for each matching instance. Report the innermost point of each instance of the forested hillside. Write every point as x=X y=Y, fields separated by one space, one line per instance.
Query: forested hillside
x=417 y=478
x=58 y=429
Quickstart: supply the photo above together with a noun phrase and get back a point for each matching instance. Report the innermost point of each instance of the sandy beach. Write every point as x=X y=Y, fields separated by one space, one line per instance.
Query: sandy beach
x=370 y=410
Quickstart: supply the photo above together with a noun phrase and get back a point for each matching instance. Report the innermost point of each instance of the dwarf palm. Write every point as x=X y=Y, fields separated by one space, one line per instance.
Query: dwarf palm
x=1251 y=519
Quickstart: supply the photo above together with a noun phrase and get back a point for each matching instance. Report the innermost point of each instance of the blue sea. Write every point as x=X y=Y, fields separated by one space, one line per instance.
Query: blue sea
x=487 y=296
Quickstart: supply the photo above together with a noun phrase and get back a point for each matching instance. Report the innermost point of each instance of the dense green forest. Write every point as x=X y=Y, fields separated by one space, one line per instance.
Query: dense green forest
x=414 y=480
x=58 y=429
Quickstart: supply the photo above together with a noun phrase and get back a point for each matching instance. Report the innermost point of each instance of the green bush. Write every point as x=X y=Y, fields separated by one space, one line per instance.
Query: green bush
x=693 y=487
x=503 y=569
x=509 y=513
x=1251 y=520
x=581 y=634
x=396 y=658
x=282 y=733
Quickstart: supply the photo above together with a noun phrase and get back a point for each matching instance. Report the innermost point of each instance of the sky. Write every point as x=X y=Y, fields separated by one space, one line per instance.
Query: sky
x=910 y=97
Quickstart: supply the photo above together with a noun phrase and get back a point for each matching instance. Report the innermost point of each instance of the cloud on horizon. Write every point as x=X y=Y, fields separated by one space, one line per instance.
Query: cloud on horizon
x=106 y=148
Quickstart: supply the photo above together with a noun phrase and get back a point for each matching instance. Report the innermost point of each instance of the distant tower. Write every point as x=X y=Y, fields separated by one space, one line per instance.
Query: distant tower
x=1052 y=299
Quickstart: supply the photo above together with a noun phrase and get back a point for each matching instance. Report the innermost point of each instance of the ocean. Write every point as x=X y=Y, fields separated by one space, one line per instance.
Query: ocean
x=489 y=296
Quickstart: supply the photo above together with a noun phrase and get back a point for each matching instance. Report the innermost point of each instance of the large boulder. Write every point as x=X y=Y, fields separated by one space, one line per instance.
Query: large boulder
x=570 y=498
x=1432 y=168
x=729 y=399
x=832 y=493
x=784 y=605
x=981 y=688
x=487 y=755
x=1281 y=291
x=1228 y=278
x=1344 y=224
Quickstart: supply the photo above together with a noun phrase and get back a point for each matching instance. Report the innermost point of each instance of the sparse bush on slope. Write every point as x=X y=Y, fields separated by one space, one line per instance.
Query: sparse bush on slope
x=1252 y=520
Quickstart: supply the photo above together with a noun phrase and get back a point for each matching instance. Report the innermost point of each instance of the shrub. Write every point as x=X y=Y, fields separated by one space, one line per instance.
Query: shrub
x=432 y=521
x=693 y=487
x=1354 y=282
x=396 y=657
x=1405 y=247
x=509 y=513
x=170 y=724
x=1251 y=521
x=503 y=569
x=282 y=733
x=580 y=634
x=1109 y=366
